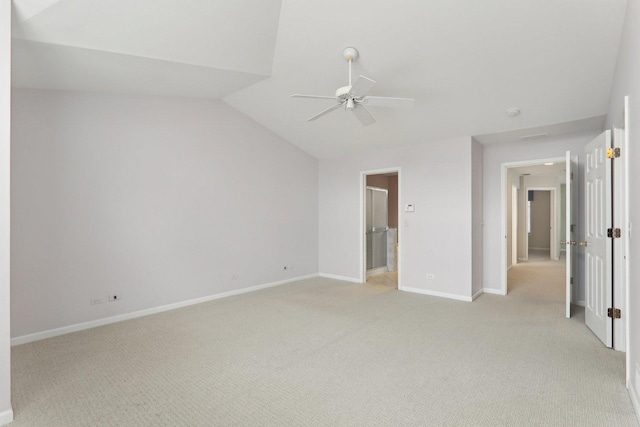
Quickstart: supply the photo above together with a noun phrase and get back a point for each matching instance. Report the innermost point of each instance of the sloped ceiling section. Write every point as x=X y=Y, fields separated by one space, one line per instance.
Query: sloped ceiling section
x=189 y=48
x=465 y=62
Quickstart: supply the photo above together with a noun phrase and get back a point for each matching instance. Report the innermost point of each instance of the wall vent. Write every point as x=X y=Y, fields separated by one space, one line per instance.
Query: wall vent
x=535 y=136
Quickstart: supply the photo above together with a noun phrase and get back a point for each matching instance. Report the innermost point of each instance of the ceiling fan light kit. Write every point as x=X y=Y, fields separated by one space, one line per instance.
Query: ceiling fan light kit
x=354 y=96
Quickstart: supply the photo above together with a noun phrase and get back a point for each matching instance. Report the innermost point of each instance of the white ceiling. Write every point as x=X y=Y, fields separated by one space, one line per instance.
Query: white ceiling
x=465 y=62
x=204 y=48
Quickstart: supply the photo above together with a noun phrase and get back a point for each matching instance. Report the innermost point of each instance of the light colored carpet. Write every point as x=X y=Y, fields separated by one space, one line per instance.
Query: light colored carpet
x=389 y=279
x=326 y=353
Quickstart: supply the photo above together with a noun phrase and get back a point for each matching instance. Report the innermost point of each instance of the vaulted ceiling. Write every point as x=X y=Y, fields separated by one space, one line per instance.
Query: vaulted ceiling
x=465 y=62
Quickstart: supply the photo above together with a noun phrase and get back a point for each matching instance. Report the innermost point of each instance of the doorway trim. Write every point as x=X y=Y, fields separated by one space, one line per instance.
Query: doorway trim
x=363 y=223
x=503 y=210
x=515 y=197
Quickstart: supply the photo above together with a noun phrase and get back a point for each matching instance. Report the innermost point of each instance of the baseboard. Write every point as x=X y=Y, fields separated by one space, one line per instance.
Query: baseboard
x=476 y=295
x=493 y=291
x=581 y=303
x=141 y=313
x=522 y=259
x=336 y=277
x=540 y=249
x=437 y=294
x=6 y=417
x=510 y=267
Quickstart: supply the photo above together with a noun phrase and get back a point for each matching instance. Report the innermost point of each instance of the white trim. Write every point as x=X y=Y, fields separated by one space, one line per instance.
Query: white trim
x=24 y=339
x=343 y=278
x=493 y=291
x=503 y=210
x=627 y=251
x=476 y=295
x=523 y=259
x=6 y=417
x=581 y=303
x=437 y=294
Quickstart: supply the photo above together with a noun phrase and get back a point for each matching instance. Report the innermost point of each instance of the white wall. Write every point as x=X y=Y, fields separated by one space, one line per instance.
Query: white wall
x=436 y=238
x=160 y=199
x=6 y=414
x=494 y=156
x=627 y=82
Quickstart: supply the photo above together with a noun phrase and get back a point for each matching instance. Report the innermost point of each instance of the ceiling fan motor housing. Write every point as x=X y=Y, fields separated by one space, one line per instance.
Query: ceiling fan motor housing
x=342 y=93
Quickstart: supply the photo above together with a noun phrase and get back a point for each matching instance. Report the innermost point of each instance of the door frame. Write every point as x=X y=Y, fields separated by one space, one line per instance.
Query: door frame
x=515 y=211
x=554 y=252
x=503 y=210
x=621 y=219
x=363 y=223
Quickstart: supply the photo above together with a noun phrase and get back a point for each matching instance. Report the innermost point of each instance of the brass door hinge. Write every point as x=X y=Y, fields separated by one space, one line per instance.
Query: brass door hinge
x=614 y=233
x=613 y=153
x=614 y=313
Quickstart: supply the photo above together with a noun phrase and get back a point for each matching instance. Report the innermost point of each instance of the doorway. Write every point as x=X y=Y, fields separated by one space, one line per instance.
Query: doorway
x=532 y=224
x=541 y=219
x=380 y=232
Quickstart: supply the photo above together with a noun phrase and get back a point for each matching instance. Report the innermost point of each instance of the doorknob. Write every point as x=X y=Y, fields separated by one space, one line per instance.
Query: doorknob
x=573 y=243
x=584 y=244
x=562 y=242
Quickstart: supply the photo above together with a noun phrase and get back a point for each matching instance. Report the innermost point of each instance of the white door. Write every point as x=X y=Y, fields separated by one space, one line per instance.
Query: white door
x=569 y=238
x=598 y=250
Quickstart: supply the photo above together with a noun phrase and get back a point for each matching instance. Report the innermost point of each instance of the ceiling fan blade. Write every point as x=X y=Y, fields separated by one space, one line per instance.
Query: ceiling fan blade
x=361 y=86
x=385 y=101
x=297 y=95
x=324 y=112
x=363 y=115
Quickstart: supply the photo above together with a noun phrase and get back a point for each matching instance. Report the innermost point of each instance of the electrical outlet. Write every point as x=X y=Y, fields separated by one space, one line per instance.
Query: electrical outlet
x=115 y=297
x=95 y=301
x=285 y=268
x=431 y=276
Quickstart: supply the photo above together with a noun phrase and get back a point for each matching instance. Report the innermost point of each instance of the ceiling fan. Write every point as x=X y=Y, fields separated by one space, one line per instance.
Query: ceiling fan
x=354 y=96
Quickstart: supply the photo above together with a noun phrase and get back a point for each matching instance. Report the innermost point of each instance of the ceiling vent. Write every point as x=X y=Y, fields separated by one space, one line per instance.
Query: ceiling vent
x=535 y=136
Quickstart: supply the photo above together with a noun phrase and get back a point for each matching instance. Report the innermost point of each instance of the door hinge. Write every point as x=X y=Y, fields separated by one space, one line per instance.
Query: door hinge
x=572 y=228
x=571 y=281
x=613 y=153
x=614 y=233
x=614 y=313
